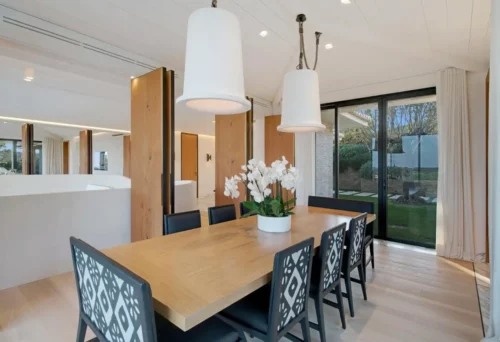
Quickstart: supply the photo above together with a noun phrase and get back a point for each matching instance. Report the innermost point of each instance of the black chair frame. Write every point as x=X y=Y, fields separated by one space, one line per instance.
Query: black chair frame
x=212 y=216
x=350 y=205
x=194 y=213
x=272 y=334
x=346 y=271
x=335 y=287
x=146 y=298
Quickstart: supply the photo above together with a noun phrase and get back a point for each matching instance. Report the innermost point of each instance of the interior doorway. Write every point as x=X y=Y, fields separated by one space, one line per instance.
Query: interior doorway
x=189 y=158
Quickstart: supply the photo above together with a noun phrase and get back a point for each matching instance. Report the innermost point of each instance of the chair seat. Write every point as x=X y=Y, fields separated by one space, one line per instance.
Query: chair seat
x=211 y=330
x=252 y=311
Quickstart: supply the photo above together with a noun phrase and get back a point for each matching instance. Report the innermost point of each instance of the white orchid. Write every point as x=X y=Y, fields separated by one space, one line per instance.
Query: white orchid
x=262 y=181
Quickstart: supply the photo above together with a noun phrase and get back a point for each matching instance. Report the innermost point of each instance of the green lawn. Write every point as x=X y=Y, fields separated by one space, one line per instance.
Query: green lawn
x=416 y=223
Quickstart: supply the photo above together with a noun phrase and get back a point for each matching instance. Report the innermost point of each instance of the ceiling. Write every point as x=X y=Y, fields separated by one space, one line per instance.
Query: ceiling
x=375 y=41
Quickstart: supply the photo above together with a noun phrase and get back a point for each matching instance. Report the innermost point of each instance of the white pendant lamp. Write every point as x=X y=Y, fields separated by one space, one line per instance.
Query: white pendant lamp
x=213 y=79
x=301 y=108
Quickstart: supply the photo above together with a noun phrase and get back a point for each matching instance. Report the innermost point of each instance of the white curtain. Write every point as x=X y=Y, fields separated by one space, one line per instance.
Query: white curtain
x=52 y=151
x=454 y=231
x=493 y=333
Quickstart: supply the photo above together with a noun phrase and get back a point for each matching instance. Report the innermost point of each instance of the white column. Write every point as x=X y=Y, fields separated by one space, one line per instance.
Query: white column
x=493 y=333
x=305 y=162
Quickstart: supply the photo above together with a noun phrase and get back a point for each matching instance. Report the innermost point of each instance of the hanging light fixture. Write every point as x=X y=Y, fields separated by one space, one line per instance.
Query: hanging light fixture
x=213 y=79
x=301 y=110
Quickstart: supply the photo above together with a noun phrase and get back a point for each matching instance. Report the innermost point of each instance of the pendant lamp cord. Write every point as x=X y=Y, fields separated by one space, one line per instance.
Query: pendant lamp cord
x=214 y=3
x=301 y=18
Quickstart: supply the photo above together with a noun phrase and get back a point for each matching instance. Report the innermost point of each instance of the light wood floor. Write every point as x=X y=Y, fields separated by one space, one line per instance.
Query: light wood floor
x=412 y=296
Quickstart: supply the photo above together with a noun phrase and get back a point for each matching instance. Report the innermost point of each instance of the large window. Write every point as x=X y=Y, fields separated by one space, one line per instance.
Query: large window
x=384 y=150
x=11 y=157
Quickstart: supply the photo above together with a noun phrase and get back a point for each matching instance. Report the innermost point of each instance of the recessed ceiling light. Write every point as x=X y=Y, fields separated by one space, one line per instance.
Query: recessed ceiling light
x=329 y=46
x=263 y=33
x=29 y=74
x=132 y=77
x=346 y=2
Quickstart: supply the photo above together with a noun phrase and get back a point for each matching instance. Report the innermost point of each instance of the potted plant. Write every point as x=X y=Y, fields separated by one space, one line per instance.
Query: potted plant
x=266 y=186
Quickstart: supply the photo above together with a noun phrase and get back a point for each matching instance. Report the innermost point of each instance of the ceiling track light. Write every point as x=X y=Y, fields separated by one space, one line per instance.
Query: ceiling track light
x=213 y=77
x=301 y=110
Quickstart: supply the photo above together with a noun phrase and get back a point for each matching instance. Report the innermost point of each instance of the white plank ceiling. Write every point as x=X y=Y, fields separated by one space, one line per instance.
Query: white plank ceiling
x=374 y=40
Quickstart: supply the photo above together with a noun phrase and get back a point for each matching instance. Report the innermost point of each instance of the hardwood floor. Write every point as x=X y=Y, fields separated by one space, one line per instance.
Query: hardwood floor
x=412 y=296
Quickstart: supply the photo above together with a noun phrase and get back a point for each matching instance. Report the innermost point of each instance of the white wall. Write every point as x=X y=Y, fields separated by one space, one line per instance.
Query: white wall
x=259 y=144
x=46 y=184
x=206 y=170
x=35 y=231
x=114 y=147
x=12 y=130
x=108 y=143
x=476 y=96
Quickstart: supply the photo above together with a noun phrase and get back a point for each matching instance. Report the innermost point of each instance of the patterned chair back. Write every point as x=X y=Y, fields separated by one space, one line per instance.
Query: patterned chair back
x=115 y=303
x=331 y=251
x=290 y=286
x=357 y=230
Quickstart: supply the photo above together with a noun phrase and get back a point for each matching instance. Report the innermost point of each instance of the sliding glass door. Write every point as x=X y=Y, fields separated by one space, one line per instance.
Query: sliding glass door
x=412 y=169
x=384 y=150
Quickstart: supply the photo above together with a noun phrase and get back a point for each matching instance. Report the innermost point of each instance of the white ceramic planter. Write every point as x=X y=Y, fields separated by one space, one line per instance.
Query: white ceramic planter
x=274 y=224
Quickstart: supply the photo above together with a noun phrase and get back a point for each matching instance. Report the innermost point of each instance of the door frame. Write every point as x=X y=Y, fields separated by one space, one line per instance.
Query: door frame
x=382 y=101
x=197 y=160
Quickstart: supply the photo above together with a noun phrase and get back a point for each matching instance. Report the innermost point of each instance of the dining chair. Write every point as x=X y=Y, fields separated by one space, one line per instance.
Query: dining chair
x=179 y=222
x=244 y=210
x=351 y=205
x=272 y=311
x=221 y=214
x=117 y=305
x=326 y=278
x=353 y=258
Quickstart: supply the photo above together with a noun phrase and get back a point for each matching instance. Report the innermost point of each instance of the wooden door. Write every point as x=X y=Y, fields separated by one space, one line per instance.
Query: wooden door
x=66 y=157
x=126 y=156
x=151 y=172
x=278 y=144
x=233 y=148
x=189 y=158
x=86 y=152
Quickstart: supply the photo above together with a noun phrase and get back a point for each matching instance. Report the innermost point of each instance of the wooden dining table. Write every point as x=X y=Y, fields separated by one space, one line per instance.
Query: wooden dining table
x=197 y=273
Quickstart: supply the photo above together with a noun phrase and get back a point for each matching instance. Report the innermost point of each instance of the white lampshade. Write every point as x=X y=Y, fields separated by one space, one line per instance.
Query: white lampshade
x=301 y=109
x=213 y=79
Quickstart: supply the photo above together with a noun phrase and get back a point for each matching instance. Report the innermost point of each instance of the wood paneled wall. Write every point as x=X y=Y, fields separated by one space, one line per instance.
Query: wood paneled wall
x=126 y=156
x=66 y=157
x=28 y=164
x=86 y=152
x=278 y=144
x=189 y=158
x=152 y=172
x=233 y=148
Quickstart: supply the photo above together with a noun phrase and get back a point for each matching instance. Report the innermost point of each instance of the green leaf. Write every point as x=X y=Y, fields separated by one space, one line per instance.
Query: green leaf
x=251 y=205
x=292 y=201
x=250 y=213
x=276 y=208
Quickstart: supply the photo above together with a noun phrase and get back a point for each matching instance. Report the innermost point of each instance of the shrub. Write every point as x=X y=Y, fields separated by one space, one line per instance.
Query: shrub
x=353 y=156
x=366 y=170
